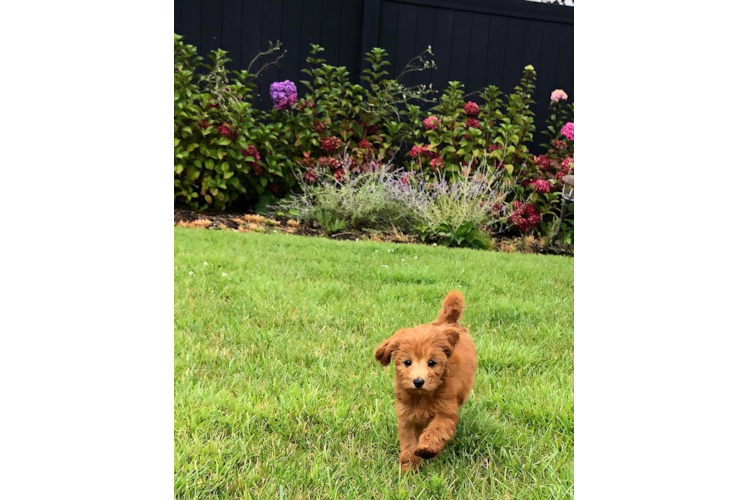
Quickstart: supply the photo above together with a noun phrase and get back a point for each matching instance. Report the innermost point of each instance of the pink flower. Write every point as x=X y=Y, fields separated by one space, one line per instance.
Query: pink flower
x=558 y=95
x=432 y=123
x=364 y=144
x=472 y=123
x=471 y=109
x=568 y=131
x=436 y=163
x=541 y=186
x=330 y=143
x=339 y=174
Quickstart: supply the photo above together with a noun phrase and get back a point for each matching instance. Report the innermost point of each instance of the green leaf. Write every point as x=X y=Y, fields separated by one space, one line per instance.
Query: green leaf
x=509 y=168
x=176 y=142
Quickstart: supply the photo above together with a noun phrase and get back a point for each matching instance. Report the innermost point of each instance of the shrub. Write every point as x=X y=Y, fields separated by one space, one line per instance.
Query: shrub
x=348 y=200
x=221 y=149
x=459 y=213
x=333 y=147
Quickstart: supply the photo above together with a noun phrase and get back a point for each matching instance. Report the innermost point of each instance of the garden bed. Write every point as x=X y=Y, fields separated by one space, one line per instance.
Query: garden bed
x=245 y=222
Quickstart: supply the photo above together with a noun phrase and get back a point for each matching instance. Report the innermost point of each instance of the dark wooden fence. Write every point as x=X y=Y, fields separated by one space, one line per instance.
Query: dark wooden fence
x=477 y=42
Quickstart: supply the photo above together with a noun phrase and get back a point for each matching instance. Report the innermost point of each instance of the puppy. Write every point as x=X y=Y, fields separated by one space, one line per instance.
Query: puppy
x=434 y=369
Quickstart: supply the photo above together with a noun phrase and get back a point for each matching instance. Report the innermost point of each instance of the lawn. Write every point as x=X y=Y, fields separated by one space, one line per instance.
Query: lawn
x=277 y=394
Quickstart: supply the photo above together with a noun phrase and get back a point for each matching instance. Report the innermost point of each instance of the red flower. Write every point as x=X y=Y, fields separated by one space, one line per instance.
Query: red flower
x=258 y=168
x=494 y=147
x=227 y=130
x=471 y=109
x=319 y=127
x=405 y=179
x=330 y=143
x=251 y=151
x=472 y=123
x=558 y=144
x=372 y=129
x=431 y=153
x=415 y=151
x=273 y=187
x=524 y=217
x=332 y=163
x=339 y=174
x=364 y=144
x=541 y=185
x=542 y=162
x=431 y=123
x=203 y=124
x=310 y=176
x=436 y=163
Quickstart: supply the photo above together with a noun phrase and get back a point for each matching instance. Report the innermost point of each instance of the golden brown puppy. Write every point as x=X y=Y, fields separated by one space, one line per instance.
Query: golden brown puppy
x=434 y=369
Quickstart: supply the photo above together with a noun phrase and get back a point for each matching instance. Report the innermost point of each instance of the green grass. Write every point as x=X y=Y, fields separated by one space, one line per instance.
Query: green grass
x=277 y=394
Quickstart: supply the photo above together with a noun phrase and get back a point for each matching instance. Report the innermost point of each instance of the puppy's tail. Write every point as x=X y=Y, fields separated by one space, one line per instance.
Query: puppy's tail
x=452 y=308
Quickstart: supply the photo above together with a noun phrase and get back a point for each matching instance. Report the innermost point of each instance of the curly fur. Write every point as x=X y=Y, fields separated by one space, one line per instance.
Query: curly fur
x=427 y=416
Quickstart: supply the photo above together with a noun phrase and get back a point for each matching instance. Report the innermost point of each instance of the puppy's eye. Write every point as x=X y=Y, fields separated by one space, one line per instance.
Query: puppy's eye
x=406 y=362
x=432 y=362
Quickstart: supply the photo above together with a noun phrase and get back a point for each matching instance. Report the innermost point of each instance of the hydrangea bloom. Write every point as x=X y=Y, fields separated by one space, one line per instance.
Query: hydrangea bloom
x=227 y=130
x=472 y=123
x=524 y=217
x=330 y=143
x=251 y=151
x=542 y=162
x=283 y=94
x=558 y=95
x=436 y=163
x=541 y=185
x=431 y=123
x=568 y=131
x=471 y=109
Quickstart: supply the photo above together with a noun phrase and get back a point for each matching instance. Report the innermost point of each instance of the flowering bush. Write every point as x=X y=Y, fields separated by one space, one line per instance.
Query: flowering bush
x=228 y=153
x=222 y=151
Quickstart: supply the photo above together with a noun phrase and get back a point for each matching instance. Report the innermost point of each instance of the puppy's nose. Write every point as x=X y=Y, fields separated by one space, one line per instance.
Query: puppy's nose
x=418 y=383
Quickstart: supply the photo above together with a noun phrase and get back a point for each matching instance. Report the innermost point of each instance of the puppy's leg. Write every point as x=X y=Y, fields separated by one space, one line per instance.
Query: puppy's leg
x=408 y=435
x=436 y=434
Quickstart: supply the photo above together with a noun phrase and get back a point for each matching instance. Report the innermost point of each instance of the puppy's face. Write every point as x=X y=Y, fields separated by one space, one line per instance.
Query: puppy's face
x=420 y=356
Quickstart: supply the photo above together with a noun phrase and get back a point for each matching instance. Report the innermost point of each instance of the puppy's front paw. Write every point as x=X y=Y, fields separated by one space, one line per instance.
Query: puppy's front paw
x=408 y=461
x=426 y=451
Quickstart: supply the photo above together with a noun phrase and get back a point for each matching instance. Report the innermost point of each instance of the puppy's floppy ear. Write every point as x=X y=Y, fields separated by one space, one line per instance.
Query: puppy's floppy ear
x=383 y=354
x=452 y=308
x=448 y=339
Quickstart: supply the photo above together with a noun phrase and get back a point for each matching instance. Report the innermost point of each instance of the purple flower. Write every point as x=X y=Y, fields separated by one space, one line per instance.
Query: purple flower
x=283 y=94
